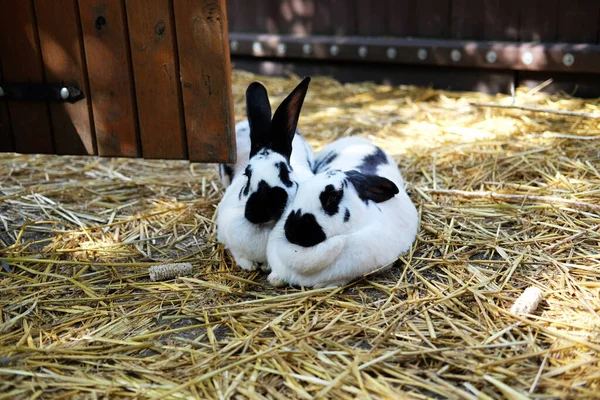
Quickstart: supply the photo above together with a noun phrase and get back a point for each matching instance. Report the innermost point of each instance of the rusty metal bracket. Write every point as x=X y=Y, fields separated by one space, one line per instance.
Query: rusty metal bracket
x=39 y=92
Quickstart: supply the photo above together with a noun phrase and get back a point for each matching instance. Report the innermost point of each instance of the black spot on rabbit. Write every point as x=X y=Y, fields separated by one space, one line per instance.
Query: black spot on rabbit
x=330 y=199
x=347 y=215
x=246 y=188
x=372 y=187
x=325 y=161
x=303 y=230
x=266 y=204
x=372 y=161
x=284 y=174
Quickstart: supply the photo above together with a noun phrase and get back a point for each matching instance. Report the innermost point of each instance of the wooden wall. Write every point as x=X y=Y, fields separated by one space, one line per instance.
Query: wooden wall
x=573 y=21
x=545 y=32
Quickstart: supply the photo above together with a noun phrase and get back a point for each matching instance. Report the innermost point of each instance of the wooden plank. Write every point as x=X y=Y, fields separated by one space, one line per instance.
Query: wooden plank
x=467 y=19
x=295 y=17
x=21 y=62
x=62 y=53
x=539 y=20
x=401 y=18
x=419 y=18
x=433 y=19
x=155 y=71
x=206 y=77
x=578 y=21
x=485 y=19
x=335 y=17
x=501 y=19
x=6 y=140
x=373 y=17
x=109 y=70
x=253 y=15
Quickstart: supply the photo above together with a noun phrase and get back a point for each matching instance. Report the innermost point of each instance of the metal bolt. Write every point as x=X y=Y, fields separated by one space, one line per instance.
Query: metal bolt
x=391 y=53
x=527 y=58
x=334 y=50
x=256 y=47
x=568 y=59
x=307 y=48
x=1 y=91
x=455 y=55
x=491 y=57
x=234 y=45
x=281 y=48
x=422 y=54
x=362 y=51
x=64 y=93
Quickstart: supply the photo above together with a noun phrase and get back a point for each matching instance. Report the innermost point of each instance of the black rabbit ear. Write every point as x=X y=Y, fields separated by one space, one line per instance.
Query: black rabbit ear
x=285 y=120
x=372 y=187
x=258 y=110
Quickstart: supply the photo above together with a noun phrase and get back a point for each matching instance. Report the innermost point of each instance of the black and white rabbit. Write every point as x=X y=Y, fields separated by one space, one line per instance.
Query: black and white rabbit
x=266 y=176
x=351 y=218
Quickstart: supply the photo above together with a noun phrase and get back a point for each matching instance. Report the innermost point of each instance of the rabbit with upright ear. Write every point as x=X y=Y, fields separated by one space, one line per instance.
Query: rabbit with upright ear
x=264 y=181
x=351 y=218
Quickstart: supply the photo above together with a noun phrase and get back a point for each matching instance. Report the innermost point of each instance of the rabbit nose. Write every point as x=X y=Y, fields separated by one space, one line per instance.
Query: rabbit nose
x=266 y=204
x=303 y=229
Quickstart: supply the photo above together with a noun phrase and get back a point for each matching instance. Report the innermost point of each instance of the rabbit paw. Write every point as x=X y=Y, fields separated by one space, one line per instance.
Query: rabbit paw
x=246 y=264
x=275 y=280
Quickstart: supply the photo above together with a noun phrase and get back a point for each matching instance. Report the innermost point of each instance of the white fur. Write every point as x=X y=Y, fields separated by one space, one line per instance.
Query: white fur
x=375 y=235
x=246 y=241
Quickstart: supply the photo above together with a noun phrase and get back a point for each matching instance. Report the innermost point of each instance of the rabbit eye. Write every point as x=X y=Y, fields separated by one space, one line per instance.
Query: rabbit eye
x=330 y=199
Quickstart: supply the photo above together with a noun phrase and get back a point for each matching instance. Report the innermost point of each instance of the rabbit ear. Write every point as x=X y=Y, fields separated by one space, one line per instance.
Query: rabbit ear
x=285 y=120
x=372 y=187
x=258 y=110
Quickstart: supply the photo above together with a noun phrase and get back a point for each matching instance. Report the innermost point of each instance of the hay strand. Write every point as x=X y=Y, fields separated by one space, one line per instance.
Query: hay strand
x=536 y=109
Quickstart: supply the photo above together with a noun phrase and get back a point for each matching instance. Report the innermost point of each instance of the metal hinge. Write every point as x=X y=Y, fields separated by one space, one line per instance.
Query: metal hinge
x=39 y=92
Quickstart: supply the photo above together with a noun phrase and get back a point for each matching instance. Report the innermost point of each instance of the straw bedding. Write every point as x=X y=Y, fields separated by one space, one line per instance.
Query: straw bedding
x=508 y=199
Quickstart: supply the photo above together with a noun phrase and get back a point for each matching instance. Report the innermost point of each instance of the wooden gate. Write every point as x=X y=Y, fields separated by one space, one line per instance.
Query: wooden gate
x=155 y=77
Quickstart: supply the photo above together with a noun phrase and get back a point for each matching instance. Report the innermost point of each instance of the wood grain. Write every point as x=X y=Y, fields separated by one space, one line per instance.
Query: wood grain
x=539 y=21
x=578 y=21
x=373 y=16
x=335 y=17
x=155 y=71
x=21 y=62
x=62 y=53
x=485 y=19
x=109 y=70
x=206 y=78
x=6 y=140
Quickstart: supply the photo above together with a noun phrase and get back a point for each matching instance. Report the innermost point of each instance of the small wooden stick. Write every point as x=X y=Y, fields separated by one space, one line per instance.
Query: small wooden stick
x=515 y=198
x=535 y=109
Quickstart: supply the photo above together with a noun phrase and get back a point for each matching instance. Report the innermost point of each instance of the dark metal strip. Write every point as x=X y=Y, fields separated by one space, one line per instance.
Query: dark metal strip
x=39 y=92
x=559 y=57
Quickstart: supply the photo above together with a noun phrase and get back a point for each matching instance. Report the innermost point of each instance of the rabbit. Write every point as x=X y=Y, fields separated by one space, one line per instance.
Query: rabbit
x=265 y=180
x=351 y=218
